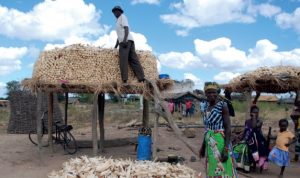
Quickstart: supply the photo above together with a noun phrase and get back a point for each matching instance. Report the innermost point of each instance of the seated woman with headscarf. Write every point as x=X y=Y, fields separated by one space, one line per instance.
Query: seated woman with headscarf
x=253 y=150
x=216 y=143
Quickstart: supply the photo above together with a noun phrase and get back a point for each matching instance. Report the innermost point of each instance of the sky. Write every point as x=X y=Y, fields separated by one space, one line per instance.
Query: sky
x=201 y=40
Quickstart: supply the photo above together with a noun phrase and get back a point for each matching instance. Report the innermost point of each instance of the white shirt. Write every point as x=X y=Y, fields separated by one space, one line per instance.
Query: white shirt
x=120 y=24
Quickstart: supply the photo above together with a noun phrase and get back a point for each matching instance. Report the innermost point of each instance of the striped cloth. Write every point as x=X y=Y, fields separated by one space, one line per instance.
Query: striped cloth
x=213 y=119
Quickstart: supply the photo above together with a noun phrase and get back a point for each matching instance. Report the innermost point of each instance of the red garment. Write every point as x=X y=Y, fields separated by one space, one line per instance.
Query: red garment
x=188 y=104
x=171 y=107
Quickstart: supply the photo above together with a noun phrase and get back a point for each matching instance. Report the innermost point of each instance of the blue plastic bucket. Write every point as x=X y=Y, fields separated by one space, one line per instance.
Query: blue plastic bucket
x=144 y=151
x=163 y=76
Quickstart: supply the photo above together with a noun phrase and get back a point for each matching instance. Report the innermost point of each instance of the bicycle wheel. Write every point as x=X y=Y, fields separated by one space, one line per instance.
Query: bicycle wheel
x=33 y=138
x=68 y=142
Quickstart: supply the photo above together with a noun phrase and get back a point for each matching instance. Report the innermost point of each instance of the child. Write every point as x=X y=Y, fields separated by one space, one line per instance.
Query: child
x=280 y=153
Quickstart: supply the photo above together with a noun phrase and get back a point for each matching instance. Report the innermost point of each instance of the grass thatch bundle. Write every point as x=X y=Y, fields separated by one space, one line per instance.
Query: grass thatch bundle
x=279 y=79
x=85 y=167
x=83 y=68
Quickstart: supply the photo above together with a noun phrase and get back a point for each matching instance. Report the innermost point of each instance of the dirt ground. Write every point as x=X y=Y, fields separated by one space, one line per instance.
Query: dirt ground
x=20 y=158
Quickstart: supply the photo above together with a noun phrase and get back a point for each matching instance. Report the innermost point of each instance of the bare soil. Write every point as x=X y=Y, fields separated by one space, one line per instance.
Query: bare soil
x=20 y=158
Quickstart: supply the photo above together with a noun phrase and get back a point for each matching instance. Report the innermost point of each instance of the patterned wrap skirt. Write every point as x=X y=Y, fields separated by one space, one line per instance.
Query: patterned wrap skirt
x=279 y=157
x=215 y=142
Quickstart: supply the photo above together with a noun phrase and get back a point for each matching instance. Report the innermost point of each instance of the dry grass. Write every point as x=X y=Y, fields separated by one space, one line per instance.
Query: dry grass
x=278 y=79
x=80 y=115
x=119 y=114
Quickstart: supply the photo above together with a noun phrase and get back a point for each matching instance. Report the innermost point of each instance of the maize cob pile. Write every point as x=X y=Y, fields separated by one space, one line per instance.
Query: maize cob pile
x=81 y=64
x=99 y=167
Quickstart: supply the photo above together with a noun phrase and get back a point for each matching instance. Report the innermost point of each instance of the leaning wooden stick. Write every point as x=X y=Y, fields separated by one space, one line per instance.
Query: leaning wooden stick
x=165 y=113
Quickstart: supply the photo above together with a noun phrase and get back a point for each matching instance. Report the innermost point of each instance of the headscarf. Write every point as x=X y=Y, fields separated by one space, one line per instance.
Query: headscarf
x=211 y=85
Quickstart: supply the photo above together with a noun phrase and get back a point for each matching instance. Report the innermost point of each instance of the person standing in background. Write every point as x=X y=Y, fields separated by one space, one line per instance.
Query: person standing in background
x=295 y=115
x=188 y=105
x=171 y=106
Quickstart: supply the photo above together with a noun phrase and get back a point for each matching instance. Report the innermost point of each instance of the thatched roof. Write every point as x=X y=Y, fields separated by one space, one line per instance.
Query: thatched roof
x=268 y=98
x=82 y=68
x=279 y=79
x=178 y=96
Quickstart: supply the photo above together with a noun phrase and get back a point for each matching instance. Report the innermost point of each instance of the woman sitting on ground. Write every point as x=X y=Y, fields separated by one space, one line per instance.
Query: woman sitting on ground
x=257 y=144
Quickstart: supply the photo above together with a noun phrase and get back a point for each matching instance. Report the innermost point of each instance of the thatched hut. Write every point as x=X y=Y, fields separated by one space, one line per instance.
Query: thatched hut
x=78 y=68
x=181 y=97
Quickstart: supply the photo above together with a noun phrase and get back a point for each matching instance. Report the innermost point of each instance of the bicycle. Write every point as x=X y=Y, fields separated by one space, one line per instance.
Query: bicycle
x=62 y=135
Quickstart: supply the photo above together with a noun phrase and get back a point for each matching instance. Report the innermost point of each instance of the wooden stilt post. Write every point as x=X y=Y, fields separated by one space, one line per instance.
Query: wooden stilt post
x=39 y=121
x=94 y=125
x=297 y=99
x=155 y=137
x=248 y=103
x=145 y=113
x=141 y=102
x=257 y=95
x=66 y=107
x=101 y=106
x=50 y=120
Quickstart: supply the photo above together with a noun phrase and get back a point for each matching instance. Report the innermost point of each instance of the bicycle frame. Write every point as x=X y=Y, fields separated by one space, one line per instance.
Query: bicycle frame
x=60 y=135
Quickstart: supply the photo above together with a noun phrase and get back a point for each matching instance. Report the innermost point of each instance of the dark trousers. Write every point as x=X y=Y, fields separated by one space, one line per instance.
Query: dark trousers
x=128 y=55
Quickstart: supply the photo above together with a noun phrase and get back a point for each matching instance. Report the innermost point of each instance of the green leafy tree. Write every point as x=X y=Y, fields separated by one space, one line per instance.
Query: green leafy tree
x=113 y=97
x=60 y=97
x=13 y=86
x=85 y=98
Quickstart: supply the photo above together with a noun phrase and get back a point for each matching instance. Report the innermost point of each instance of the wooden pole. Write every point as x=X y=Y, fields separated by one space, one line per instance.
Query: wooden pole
x=101 y=106
x=248 y=104
x=257 y=95
x=94 y=125
x=39 y=121
x=145 y=113
x=166 y=114
x=141 y=102
x=297 y=99
x=50 y=119
x=66 y=107
x=155 y=137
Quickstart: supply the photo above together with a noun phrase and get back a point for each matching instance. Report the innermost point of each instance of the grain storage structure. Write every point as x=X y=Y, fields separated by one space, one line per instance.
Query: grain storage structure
x=88 y=69
x=278 y=79
x=83 y=68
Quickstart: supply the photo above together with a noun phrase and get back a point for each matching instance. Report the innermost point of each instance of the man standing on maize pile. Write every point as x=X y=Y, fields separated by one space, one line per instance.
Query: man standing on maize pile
x=127 y=48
